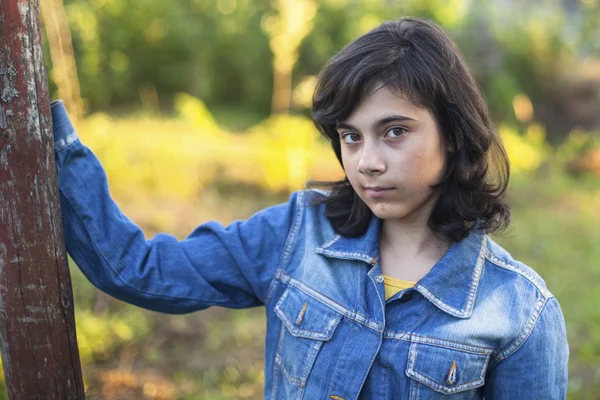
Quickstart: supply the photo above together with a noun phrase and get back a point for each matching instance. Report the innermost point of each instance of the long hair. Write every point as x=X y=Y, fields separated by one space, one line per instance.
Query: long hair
x=416 y=58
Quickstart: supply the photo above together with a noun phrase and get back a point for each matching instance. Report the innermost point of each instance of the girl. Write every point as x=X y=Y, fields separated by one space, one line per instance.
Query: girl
x=385 y=287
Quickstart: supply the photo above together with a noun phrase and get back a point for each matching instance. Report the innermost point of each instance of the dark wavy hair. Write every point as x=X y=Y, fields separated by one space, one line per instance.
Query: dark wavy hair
x=416 y=58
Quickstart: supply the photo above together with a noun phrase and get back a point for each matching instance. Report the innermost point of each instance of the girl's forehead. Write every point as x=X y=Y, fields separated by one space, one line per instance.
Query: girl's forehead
x=385 y=102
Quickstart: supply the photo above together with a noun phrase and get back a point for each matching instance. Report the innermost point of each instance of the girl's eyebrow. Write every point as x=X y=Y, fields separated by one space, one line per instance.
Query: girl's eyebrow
x=379 y=123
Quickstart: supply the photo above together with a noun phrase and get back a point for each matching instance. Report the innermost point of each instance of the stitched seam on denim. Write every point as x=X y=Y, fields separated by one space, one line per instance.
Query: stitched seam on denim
x=355 y=316
x=279 y=349
x=370 y=366
x=337 y=364
x=467 y=310
x=403 y=335
x=381 y=300
x=293 y=380
x=414 y=394
x=412 y=356
x=275 y=375
x=160 y=296
x=396 y=335
x=476 y=275
x=443 y=306
x=449 y=344
x=275 y=364
x=322 y=336
x=440 y=388
x=437 y=386
x=311 y=358
x=386 y=365
x=496 y=261
x=336 y=306
x=278 y=352
x=69 y=139
x=331 y=326
x=357 y=294
x=331 y=241
x=293 y=234
x=289 y=242
x=522 y=338
x=274 y=283
x=345 y=255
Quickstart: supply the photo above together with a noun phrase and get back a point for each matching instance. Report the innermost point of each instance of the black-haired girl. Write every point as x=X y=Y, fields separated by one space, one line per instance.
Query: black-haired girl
x=385 y=286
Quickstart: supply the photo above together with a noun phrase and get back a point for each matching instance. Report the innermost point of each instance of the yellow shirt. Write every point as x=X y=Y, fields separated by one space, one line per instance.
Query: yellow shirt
x=394 y=285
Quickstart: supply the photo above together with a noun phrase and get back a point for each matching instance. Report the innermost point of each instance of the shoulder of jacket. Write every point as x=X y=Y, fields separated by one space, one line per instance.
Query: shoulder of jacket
x=498 y=257
x=311 y=197
x=530 y=303
x=310 y=219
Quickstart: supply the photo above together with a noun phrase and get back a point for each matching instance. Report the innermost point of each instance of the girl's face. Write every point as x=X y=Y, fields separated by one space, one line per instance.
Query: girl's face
x=393 y=152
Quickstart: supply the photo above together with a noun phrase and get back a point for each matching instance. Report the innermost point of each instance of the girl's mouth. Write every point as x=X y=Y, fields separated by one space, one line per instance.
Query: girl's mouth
x=378 y=191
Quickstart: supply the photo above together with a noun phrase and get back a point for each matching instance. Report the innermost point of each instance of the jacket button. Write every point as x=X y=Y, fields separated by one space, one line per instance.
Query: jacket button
x=379 y=279
x=405 y=297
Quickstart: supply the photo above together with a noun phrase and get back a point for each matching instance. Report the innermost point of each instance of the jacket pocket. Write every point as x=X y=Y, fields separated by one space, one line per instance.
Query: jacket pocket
x=437 y=369
x=306 y=325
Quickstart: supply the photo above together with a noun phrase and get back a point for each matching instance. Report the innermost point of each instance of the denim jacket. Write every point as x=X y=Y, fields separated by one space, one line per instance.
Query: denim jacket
x=479 y=325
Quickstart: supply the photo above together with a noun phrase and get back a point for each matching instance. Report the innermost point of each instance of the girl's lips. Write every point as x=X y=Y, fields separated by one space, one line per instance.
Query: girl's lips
x=378 y=192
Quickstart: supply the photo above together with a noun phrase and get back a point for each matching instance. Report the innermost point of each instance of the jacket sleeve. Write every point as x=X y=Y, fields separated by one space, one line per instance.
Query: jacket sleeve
x=538 y=369
x=229 y=266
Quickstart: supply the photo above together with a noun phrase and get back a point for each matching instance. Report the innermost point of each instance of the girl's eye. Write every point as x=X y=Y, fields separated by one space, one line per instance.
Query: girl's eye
x=351 y=138
x=395 y=132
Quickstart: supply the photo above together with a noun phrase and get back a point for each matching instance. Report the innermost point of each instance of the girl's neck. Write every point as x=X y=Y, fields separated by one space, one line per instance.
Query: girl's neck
x=411 y=238
x=409 y=250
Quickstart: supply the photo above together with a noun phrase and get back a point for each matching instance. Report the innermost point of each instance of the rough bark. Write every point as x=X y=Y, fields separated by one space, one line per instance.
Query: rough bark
x=37 y=323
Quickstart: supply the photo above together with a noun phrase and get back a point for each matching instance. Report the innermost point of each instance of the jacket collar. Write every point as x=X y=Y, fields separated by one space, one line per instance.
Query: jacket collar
x=451 y=285
x=365 y=247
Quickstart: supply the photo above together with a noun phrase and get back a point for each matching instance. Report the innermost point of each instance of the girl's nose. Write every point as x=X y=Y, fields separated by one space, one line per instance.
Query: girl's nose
x=371 y=161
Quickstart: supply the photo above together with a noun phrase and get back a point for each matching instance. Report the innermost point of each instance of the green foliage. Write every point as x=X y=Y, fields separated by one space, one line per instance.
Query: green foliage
x=147 y=157
x=219 y=52
x=216 y=53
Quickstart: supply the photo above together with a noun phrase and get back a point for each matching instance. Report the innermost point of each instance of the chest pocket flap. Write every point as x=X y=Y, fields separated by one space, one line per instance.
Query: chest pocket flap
x=306 y=317
x=446 y=370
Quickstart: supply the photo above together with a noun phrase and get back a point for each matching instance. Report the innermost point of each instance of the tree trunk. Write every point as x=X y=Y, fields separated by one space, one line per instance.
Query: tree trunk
x=282 y=91
x=37 y=323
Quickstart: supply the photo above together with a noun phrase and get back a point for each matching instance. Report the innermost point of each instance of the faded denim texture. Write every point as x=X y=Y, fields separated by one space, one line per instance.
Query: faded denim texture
x=479 y=325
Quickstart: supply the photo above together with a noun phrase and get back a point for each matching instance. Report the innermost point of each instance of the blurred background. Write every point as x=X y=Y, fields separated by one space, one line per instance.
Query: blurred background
x=199 y=110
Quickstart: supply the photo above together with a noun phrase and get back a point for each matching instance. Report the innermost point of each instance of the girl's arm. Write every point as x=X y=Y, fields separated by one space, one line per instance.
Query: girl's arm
x=536 y=365
x=230 y=266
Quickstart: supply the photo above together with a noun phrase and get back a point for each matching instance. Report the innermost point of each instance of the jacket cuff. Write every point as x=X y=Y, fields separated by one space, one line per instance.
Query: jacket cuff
x=64 y=133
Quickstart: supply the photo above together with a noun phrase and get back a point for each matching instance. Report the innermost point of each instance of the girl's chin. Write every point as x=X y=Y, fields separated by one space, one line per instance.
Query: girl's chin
x=387 y=211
